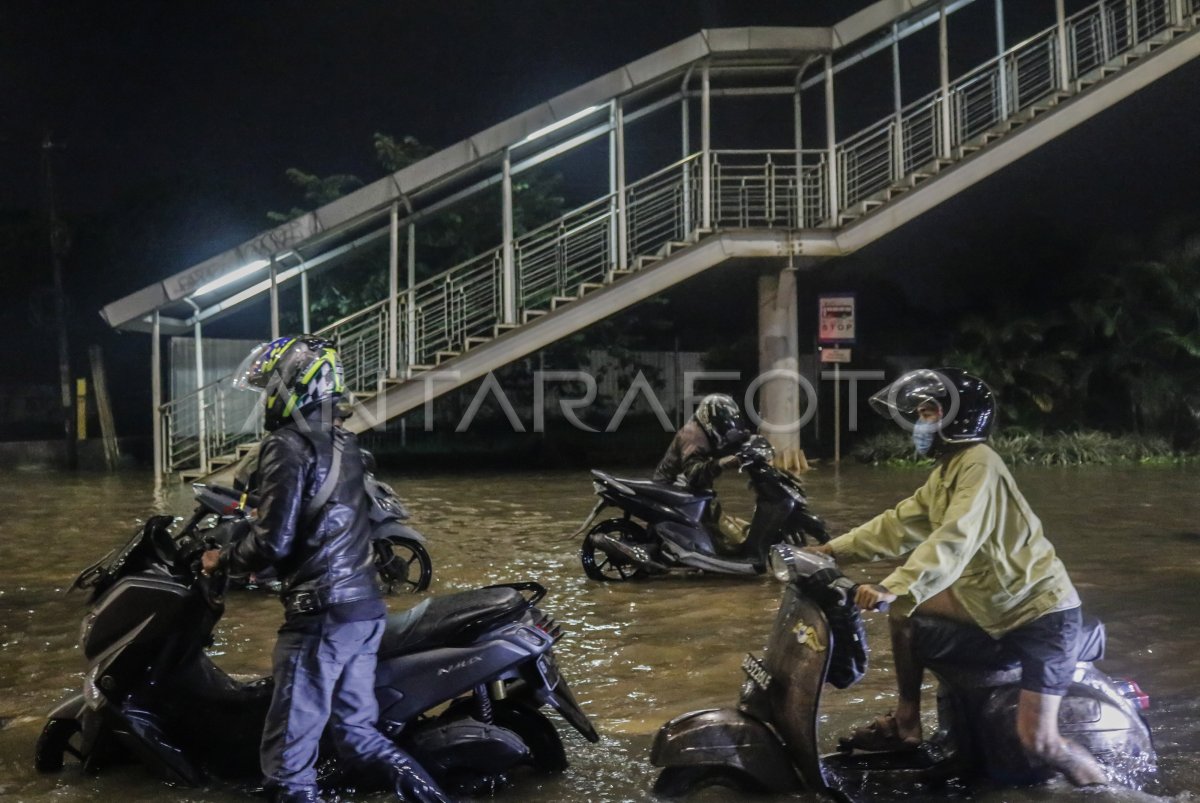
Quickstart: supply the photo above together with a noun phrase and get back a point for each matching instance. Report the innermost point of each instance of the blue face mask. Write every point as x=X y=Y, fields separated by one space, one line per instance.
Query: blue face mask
x=923 y=435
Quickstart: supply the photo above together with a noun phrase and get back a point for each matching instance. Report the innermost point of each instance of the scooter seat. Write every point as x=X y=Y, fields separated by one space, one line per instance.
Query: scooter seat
x=941 y=641
x=449 y=620
x=658 y=491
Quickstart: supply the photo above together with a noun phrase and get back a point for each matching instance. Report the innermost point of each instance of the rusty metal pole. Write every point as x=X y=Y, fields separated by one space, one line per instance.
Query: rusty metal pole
x=58 y=248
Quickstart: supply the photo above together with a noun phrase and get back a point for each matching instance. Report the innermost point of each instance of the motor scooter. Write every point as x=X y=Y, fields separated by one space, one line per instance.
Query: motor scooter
x=769 y=741
x=461 y=679
x=665 y=529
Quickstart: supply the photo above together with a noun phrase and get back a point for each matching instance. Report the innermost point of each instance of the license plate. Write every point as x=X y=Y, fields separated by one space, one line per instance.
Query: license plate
x=754 y=669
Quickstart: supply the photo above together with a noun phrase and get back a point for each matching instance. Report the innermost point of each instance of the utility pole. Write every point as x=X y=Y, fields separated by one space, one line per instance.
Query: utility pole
x=58 y=248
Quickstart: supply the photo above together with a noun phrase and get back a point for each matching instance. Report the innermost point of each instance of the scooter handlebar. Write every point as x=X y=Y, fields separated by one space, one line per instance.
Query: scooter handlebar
x=881 y=607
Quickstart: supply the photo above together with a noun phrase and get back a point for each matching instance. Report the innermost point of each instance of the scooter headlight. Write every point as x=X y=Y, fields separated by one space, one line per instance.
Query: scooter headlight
x=780 y=563
x=788 y=562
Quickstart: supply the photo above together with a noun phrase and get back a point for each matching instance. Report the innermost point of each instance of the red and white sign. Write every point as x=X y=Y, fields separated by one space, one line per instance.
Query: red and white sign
x=835 y=317
x=835 y=355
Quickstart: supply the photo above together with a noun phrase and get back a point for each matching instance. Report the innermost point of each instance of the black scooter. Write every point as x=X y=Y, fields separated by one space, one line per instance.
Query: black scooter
x=663 y=528
x=461 y=679
x=401 y=553
x=769 y=741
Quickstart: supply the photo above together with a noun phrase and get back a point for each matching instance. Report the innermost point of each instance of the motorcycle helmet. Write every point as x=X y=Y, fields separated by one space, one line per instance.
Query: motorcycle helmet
x=966 y=403
x=294 y=374
x=722 y=421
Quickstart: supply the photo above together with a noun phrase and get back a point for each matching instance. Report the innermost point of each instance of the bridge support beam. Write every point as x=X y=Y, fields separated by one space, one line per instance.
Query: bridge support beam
x=779 y=364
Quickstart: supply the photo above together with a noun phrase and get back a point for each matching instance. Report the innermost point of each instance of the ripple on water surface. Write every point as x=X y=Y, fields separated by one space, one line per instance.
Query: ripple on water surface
x=637 y=654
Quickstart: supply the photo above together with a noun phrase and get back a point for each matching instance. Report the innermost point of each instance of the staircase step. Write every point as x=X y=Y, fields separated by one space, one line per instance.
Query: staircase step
x=222 y=461
x=619 y=272
x=501 y=328
x=191 y=475
x=558 y=301
x=244 y=449
x=472 y=342
x=648 y=259
x=530 y=314
x=588 y=287
x=445 y=354
x=420 y=367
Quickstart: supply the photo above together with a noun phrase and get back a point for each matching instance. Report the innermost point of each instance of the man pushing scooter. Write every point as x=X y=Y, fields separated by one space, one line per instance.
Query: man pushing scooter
x=976 y=555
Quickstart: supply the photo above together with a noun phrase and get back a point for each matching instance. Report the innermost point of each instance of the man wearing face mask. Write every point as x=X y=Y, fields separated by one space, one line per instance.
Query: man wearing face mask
x=976 y=555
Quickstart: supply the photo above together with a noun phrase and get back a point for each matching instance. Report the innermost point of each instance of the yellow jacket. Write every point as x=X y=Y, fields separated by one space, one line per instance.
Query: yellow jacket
x=968 y=529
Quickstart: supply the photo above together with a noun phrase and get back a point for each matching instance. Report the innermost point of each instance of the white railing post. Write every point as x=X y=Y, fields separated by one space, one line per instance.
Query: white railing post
x=274 y=299
x=393 y=327
x=798 y=143
x=613 y=237
x=706 y=189
x=686 y=146
x=156 y=394
x=305 y=323
x=508 y=276
x=1064 y=62
x=831 y=166
x=944 y=71
x=622 y=200
x=1001 y=63
x=410 y=312
x=897 y=141
x=201 y=436
x=1132 y=5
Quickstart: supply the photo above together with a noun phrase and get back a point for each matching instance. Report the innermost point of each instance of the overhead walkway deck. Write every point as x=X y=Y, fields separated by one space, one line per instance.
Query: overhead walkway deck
x=709 y=207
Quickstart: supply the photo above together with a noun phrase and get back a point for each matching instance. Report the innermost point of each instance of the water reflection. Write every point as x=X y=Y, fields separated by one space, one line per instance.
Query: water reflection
x=636 y=653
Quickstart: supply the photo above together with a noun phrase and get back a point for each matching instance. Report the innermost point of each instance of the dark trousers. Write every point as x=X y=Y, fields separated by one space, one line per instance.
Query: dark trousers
x=324 y=674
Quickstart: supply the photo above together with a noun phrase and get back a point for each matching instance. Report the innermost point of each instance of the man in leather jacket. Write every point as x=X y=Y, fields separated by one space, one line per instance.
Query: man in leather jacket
x=312 y=527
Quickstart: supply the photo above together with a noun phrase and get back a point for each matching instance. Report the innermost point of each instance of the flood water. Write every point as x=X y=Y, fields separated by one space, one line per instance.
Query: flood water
x=636 y=653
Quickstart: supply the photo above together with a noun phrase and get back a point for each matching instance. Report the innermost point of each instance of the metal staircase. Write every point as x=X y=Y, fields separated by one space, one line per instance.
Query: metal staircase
x=713 y=206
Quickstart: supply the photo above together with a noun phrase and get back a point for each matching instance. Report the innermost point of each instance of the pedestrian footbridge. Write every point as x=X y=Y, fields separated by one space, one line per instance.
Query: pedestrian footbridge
x=723 y=194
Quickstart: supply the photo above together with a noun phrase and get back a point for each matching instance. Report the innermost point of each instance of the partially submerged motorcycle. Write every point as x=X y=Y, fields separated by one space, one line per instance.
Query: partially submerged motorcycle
x=663 y=528
x=401 y=555
x=461 y=679
x=769 y=741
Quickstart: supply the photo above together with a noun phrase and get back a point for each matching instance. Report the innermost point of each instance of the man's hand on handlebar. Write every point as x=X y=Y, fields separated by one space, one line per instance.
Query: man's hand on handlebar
x=729 y=461
x=870 y=597
x=821 y=549
x=210 y=560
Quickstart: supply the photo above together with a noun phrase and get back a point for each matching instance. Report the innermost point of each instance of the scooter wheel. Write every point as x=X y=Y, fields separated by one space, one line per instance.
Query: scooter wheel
x=599 y=565
x=682 y=781
x=54 y=743
x=403 y=565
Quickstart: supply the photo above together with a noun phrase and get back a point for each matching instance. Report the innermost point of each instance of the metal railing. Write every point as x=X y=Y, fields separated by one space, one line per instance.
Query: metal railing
x=207 y=423
x=749 y=189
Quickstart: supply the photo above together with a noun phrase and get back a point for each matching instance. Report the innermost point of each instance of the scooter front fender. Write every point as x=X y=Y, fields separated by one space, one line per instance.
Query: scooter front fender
x=726 y=737
x=394 y=531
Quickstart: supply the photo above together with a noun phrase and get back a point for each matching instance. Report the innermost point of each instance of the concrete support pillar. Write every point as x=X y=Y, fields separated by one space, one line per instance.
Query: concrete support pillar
x=779 y=352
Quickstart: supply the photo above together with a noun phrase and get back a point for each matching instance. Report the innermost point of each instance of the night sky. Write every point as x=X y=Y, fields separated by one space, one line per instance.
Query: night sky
x=177 y=121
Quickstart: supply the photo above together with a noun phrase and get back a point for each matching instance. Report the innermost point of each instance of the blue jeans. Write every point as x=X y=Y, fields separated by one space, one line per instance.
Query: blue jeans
x=323 y=676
